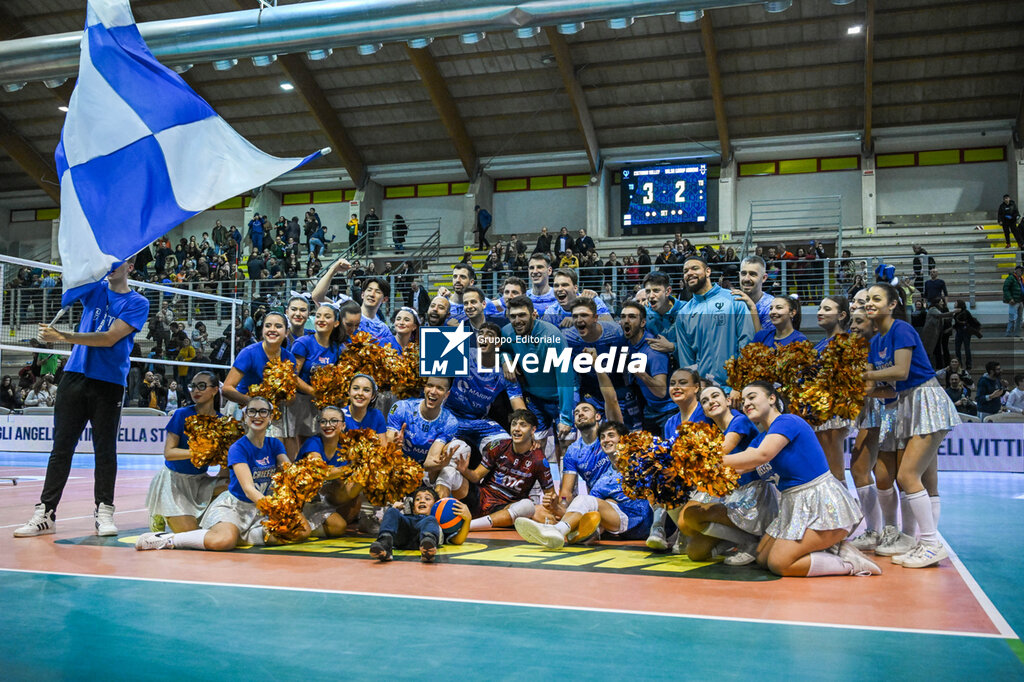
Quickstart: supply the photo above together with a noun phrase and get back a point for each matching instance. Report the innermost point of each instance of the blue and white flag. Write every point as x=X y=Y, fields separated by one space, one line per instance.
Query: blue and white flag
x=140 y=151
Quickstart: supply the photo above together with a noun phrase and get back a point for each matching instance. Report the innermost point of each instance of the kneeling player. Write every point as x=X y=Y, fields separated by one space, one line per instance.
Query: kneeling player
x=419 y=529
x=506 y=475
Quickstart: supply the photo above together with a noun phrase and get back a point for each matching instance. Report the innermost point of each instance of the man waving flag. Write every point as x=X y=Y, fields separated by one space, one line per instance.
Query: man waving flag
x=140 y=152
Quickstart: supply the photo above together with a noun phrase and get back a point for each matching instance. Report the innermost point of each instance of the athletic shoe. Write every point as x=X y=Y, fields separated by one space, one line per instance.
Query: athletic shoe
x=381 y=548
x=889 y=536
x=656 y=540
x=742 y=556
x=539 y=533
x=679 y=546
x=587 y=528
x=867 y=541
x=862 y=565
x=104 y=515
x=157 y=523
x=155 y=541
x=901 y=545
x=41 y=523
x=925 y=555
x=428 y=550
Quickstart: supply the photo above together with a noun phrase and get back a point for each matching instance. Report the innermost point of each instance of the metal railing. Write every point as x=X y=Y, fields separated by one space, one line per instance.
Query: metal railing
x=415 y=235
x=800 y=216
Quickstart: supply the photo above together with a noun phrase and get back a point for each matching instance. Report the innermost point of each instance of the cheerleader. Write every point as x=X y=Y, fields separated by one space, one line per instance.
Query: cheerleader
x=359 y=414
x=233 y=519
x=297 y=312
x=865 y=453
x=683 y=387
x=833 y=318
x=247 y=369
x=311 y=351
x=815 y=511
x=785 y=315
x=924 y=414
x=181 y=492
x=293 y=414
x=336 y=506
x=742 y=516
x=406 y=327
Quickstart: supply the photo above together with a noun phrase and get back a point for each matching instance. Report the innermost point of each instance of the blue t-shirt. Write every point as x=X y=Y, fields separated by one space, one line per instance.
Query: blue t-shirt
x=802 y=460
x=379 y=331
x=176 y=425
x=316 y=355
x=262 y=463
x=316 y=444
x=586 y=460
x=883 y=354
x=671 y=428
x=373 y=420
x=657 y=363
x=556 y=313
x=471 y=396
x=101 y=307
x=541 y=302
x=251 y=360
x=766 y=337
x=421 y=433
x=748 y=432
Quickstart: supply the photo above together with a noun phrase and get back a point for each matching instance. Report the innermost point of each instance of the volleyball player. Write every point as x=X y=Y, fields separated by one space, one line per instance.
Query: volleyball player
x=426 y=431
x=91 y=391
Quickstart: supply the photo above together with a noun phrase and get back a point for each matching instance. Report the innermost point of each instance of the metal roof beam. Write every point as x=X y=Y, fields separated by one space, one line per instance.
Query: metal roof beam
x=867 y=144
x=707 y=36
x=35 y=165
x=580 y=110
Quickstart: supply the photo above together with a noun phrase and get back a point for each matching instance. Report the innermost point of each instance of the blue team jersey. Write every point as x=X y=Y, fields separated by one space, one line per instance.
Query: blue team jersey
x=883 y=354
x=379 y=331
x=764 y=307
x=766 y=337
x=657 y=363
x=747 y=431
x=672 y=425
x=177 y=426
x=101 y=307
x=471 y=396
x=374 y=420
x=316 y=444
x=586 y=460
x=457 y=312
x=660 y=324
x=251 y=360
x=556 y=313
x=611 y=337
x=802 y=460
x=315 y=355
x=262 y=463
x=421 y=433
x=541 y=302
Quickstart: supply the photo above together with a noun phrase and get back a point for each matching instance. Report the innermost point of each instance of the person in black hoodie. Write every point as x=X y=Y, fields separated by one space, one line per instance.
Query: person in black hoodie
x=1008 y=216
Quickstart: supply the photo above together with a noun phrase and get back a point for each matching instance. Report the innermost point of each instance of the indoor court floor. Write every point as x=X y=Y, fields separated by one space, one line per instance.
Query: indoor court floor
x=80 y=607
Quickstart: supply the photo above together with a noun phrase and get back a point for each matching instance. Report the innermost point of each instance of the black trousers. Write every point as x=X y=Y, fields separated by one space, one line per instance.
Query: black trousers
x=80 y=401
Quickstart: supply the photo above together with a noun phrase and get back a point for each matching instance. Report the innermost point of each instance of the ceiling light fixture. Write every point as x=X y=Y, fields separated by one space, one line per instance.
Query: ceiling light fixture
x=855 y=30
x=264 y=60
x=54 y=82
x=619 y=24
x=690 y=16
x=420 y=43
x=225 y=64
x=319 y=55
x=181 y=68
x=527 y=32
x=287 y=87
x=369 y=48
x=776 y=6
x=14 y=87
x=472 y=38
x=62 y=108
x=571 y=28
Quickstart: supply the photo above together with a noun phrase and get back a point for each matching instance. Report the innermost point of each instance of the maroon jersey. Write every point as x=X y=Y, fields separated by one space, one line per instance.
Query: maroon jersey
x=511 y=475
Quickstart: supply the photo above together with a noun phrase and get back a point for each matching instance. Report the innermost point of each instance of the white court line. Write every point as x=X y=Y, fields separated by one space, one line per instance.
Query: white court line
x=76 y=518
x=556 y=607
x=72 y=480
x=979 y=594
x=1019 y=497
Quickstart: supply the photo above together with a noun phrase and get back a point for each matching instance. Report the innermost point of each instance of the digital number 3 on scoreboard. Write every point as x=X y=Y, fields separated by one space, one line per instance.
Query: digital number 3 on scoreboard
x=664 y=195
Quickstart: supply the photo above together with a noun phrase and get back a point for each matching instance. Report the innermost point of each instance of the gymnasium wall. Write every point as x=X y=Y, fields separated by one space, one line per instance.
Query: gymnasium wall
x=449 y=209
x=941 y=189
x=527 y=211
x=844 y=183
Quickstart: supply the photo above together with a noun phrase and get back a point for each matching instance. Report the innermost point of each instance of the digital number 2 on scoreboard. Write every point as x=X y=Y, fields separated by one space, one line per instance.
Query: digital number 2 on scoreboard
x=680 y=189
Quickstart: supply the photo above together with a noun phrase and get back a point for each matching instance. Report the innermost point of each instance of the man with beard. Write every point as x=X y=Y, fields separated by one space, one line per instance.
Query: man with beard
x=752 y=293
x=463 y=276
x=661 y=310
x=712 y=327
x=564 y=285
x=510 y=288
x=540 y=292
x=426 y=432
x=437 y=311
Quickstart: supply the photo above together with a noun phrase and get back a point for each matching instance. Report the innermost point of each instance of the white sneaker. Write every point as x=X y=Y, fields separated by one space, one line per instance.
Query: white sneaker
x=680 y=545
x=41 y=523
x=656 y=540
x=902 y=544
x=925 y=555
x=539 y=533
x=155 y=541
x=862 y=566
x=741 y=557
x=105 y=520
x=867 y=541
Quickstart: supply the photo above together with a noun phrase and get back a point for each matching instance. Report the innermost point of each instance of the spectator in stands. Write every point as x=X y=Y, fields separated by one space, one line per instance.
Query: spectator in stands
x=730 y=266
x=9 y=398
x=584 y=244
x=521 y=267
x=667 y=260
x=220 y=236
x=858 y=284
x=480 y=226
x=1013 y=296
x=318 y=241
x=591 y=271
x=569 y=260
x=631 y=272
x=418 y=299
x=960 y=395
x=935 y=288
x=966 y=326
x=543 y=242
x=399 y=230
x=609 y=298
x=1015 y=399
x=955 y=368
x=932 y=337
x=991 y=389
x=495 y=266
x=371 y=226
x=516 y=246
x=563 y=242
x=1008 y=215
x=922 y=262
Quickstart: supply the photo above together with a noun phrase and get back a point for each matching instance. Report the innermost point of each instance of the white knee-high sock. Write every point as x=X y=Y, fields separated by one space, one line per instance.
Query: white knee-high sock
x=907 y=514
x=868 y=496
x=659 y=518
x=922 y=506
x=936 y=508
x=889 y=504
x=190 y=539
x=826 y=563
x=482 y=523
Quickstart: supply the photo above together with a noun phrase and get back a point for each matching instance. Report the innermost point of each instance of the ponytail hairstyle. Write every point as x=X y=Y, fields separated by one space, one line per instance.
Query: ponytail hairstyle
x=794 y=307
x=215 y=381
x=334 y=342
x=770 y=390
x=893 y=294
x=843 y=306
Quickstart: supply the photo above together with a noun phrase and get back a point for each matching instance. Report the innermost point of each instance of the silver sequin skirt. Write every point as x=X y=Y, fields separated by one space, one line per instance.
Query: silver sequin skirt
x=174 y=494
x=887 y=427
x=299 y=417
x=753 y=507
x=835 y=423
x=821 y=504
x=869 y=415
x=701 y=497
x=317 y=510
x=243 y=515
x=924 y=410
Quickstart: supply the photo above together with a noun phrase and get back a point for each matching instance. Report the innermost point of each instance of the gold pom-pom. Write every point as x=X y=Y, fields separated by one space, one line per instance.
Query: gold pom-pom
x=405 y=379
x=756 y=362
x=697 y=460
x=210 y=437
x=838 y=388
x=330 y=386
x=385 y=473
x=294 y=486
x=794 y=364
x=278 y=386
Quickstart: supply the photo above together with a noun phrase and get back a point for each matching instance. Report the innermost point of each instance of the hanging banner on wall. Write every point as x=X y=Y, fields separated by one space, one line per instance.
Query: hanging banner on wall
x=979 y=447
x=34 y=433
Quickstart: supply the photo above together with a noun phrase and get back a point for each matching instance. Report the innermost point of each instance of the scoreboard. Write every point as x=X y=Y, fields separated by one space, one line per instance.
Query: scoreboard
x=664 y=195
